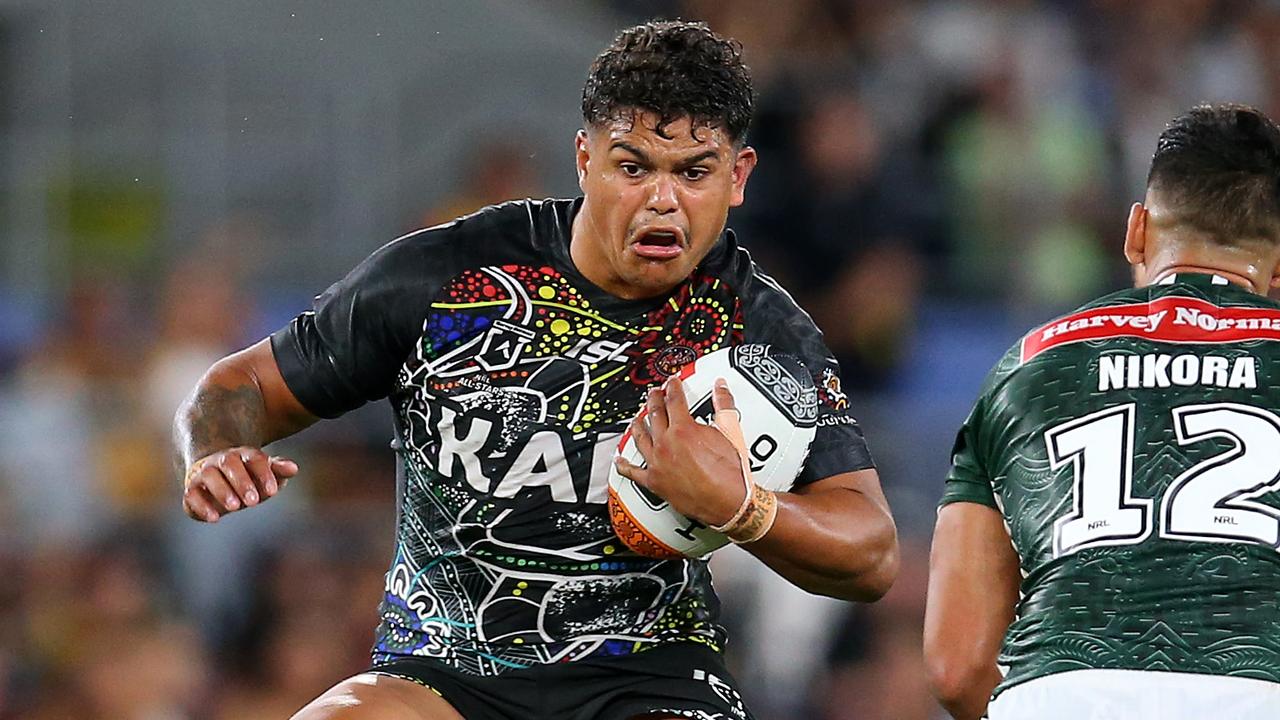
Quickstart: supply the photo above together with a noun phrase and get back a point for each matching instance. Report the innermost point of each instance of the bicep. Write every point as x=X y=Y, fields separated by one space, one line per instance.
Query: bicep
x=973 y=585
x=865 y=483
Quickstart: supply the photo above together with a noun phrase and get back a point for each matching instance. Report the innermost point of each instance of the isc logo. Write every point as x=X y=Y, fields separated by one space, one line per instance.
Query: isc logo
x=590 y=352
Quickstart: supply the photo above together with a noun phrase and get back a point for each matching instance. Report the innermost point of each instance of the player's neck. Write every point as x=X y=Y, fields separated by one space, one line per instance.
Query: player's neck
x=1246 y=265
x=1243 y=279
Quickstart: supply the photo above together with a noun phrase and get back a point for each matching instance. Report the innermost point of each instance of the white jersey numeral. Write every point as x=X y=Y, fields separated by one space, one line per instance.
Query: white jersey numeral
x=1210 y=502
x=1100 y=450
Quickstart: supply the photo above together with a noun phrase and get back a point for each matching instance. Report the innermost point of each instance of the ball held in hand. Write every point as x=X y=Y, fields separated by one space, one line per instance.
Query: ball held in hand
x=778 y=403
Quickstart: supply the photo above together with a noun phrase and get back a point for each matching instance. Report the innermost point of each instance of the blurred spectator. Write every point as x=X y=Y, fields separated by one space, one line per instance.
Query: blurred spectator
x=98 y=640
x=877 y=659
x=203 y=305
x=53 y=409
x=142 y=673
x=1023 y=180
x=498 y=168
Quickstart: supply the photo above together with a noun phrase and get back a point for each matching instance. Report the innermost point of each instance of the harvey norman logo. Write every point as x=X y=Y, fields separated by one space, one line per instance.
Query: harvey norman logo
x=1169 y=319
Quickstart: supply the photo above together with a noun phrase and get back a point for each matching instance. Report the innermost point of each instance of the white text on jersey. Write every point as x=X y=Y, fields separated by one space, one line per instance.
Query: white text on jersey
x=1120 y=371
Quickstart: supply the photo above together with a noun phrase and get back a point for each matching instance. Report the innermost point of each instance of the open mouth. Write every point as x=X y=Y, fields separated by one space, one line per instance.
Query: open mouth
x=659 y=244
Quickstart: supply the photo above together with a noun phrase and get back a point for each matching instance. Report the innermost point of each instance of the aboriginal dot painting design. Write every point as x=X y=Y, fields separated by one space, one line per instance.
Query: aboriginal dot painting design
x=510 y=411
x=539 y=326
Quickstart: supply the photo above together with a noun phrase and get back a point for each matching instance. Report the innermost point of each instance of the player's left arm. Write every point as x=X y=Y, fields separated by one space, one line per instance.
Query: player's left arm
x=974 y=575
x=834 y=536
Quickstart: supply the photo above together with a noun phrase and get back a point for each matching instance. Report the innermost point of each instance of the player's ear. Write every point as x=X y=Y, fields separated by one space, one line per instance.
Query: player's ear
x=581 y=153
x=743 y=164
x=1275 y=274
x=1135 y=236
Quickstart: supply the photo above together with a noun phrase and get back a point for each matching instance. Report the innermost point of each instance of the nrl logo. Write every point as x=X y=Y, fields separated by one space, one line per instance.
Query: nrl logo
x=503 y=345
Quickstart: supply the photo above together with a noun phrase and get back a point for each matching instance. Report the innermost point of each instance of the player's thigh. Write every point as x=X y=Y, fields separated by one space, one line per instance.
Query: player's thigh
x=371 y=696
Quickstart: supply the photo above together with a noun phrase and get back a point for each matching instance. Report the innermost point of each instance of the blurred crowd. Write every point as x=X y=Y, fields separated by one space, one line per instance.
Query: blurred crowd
x=934 y=178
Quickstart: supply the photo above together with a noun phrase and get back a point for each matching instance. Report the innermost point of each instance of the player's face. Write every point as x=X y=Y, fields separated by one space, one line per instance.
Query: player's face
x=655 y=203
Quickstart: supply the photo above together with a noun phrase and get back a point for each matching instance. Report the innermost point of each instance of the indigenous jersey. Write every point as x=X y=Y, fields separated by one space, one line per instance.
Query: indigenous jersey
x=512 y=378
x=1133 y=448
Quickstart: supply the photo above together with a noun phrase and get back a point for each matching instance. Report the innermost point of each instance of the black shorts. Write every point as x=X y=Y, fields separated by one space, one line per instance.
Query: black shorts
x=685 y=679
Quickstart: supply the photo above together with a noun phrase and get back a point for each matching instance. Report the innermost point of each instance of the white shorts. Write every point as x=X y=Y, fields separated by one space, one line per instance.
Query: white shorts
x=1137 y=695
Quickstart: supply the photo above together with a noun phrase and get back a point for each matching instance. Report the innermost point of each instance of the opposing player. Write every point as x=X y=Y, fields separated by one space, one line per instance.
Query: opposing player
x=515 y=345
x=1107 y=542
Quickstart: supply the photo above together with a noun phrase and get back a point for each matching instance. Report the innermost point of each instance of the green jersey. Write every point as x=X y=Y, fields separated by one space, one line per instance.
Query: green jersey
x=1133 y=448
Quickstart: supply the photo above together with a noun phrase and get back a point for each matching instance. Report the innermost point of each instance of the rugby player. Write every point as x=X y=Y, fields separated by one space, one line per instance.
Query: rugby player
x=515 y=345
x=1107 y=541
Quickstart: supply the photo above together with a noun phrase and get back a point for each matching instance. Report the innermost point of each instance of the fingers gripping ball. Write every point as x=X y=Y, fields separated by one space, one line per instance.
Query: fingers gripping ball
x=778 y=410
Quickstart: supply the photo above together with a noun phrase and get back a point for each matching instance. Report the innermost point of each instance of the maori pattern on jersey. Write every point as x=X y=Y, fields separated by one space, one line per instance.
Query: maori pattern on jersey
x=510 y=410
x=1150 y=601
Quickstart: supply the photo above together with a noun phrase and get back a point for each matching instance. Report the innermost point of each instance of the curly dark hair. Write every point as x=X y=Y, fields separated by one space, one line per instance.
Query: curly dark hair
x=674 y=69
x=1218 y=168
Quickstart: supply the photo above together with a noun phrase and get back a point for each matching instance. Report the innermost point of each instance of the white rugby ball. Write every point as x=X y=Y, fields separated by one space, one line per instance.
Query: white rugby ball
x=779 y=405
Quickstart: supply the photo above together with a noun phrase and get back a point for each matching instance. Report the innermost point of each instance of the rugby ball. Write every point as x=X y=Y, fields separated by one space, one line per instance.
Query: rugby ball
x=778 y=402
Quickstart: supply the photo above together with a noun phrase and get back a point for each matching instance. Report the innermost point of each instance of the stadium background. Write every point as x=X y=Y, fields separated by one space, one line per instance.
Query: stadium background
x=178 y=177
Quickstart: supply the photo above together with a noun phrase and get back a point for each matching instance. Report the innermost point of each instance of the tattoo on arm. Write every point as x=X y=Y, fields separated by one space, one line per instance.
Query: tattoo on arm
x=217 y=417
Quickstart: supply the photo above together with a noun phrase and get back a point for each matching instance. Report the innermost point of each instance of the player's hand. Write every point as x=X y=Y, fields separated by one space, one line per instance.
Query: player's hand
x=690 y=465
x=232 y=479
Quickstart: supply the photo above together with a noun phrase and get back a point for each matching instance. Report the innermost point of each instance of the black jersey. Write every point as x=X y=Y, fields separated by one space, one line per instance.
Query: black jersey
x=512 y=378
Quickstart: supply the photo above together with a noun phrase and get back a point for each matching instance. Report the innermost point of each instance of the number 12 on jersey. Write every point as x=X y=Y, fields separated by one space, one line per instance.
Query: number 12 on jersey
x=1213 y=501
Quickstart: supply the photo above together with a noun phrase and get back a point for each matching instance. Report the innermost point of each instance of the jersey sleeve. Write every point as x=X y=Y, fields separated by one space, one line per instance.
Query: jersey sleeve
x=968 y=481
x=970 y=477
x=772 y=316
x=839 y=445
x=346 y=350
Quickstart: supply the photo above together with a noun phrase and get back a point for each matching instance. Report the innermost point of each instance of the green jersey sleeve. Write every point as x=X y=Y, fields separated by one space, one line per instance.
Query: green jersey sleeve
x=968 y=480
x=970 y=477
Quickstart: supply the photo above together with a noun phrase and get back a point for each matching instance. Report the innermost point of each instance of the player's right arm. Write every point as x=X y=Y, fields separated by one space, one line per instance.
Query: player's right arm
x=342 y=353
x=240 y=405
x=973 y=592
x=974 y=569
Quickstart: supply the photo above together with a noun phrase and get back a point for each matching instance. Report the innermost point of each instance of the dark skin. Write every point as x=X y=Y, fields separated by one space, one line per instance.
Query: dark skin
x=973 y=594
x=240 y=405
x=833 y=537
x=637 y=178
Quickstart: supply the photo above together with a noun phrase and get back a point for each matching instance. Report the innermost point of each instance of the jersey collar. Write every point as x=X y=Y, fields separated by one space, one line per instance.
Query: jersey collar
x=1192 y=279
